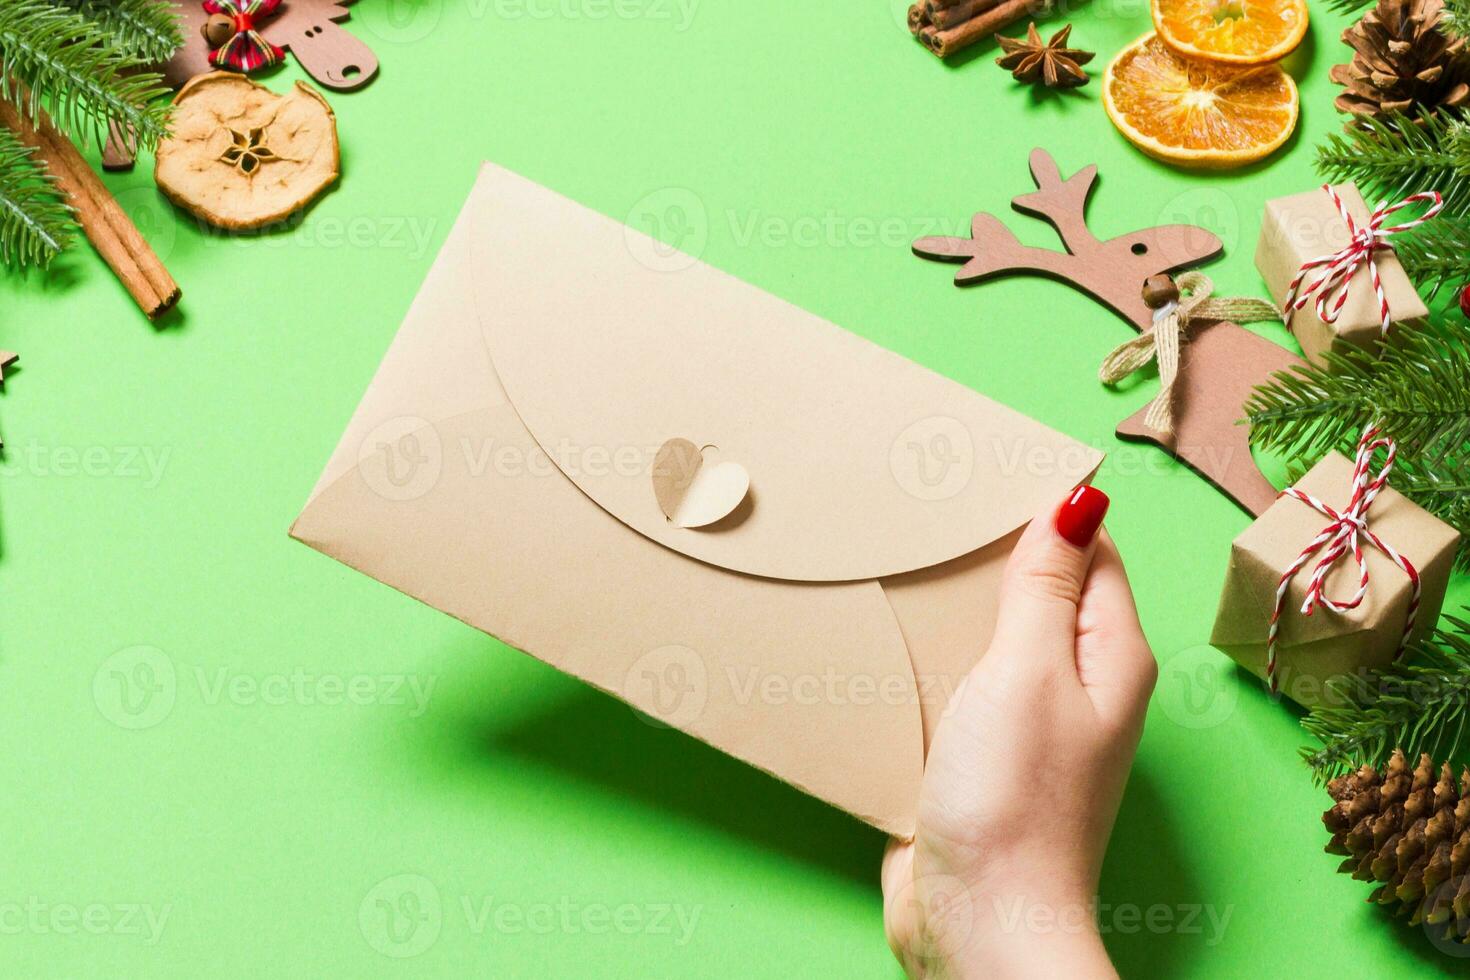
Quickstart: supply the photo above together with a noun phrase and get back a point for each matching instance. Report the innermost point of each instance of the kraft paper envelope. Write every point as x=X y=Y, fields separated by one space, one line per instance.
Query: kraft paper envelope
x=501 y=468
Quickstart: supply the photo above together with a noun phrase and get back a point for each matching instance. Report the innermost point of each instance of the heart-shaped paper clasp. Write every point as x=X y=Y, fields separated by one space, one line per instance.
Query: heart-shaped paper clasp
x=694 y=490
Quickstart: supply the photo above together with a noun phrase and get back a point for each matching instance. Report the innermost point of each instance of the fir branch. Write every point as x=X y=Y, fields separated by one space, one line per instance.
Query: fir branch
x=1441 y=487
x=1421 y=705
x=1457 y=15
x=56 y=60
x=148 y=30
x=1437 y=254
x=1416 y=388
x=34 y=223
x=1395 y=156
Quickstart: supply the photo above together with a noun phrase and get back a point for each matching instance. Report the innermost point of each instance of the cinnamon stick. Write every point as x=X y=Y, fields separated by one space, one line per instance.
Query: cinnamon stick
x=946 y=42
x=918 y=20
x=105 y=223
x=959 y=13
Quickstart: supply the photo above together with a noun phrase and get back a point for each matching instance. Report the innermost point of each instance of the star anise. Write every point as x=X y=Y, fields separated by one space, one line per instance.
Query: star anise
x=1053 y=64
x=247 y=151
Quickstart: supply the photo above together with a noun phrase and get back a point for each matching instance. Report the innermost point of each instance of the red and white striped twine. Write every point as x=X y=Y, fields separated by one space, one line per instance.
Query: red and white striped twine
x=1337 y=268
x=1348 y=530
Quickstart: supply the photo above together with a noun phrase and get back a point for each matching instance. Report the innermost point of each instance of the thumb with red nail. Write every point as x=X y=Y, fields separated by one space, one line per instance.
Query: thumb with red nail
x=1027 y=768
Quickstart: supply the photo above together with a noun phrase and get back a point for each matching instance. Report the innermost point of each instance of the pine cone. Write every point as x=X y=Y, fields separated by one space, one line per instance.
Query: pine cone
x=1411 y=832
x=1403 y=61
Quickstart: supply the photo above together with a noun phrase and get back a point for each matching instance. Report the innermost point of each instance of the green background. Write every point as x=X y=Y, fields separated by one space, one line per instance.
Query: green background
x=150 y=475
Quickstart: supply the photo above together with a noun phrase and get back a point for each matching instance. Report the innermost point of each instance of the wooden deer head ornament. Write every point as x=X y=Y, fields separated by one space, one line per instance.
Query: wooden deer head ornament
x=332 y=56
x=1112 y=271
x=1221 y=362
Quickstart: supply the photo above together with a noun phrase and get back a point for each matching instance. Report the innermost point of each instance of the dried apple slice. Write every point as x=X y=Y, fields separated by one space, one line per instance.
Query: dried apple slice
x=240 y=156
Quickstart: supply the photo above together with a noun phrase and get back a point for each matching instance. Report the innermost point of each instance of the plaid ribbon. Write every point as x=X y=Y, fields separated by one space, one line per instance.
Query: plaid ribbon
x=1346 y=532
x=247 y=50
x=1337 y=268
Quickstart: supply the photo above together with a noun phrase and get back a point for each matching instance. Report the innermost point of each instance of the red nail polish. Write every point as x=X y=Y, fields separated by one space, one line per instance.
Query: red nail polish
x=1081 y=515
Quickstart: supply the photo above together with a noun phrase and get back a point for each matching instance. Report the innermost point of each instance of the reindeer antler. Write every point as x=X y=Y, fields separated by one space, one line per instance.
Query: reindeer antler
x=1061 y=203
x=1112 y=271
x=991 y=249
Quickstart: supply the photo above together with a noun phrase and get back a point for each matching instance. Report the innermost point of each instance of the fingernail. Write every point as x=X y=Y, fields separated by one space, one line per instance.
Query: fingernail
x=1081 y=515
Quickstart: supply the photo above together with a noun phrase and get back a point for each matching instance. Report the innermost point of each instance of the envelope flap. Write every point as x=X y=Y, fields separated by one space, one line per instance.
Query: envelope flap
x=861 y=463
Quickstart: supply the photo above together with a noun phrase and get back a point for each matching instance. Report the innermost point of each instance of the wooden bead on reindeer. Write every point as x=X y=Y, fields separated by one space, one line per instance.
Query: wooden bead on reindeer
x=1159 y=291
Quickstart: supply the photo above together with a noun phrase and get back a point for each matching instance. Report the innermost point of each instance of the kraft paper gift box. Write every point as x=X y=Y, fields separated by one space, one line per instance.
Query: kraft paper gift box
x=500 y=467
x=1312 y=650
x=1302 y=227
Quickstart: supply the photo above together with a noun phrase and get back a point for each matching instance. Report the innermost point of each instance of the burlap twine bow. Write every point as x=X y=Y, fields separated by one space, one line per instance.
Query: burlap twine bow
x=1163 y=341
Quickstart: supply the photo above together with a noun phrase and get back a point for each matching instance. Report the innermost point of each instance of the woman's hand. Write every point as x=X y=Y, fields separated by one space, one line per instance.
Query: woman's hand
x=1027 y=769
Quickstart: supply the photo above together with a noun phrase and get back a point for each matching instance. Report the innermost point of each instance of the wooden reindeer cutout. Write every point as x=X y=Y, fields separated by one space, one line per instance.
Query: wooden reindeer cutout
x=1221 y=361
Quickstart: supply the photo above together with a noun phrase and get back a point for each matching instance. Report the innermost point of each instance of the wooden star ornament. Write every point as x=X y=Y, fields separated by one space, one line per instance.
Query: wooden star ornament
x=1052 y=63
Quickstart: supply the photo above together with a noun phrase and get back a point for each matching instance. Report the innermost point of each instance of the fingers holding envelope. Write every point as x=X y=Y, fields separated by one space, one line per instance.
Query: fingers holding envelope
x=1045 y=577
x=1062 y=689
x=1066 y=599
x=1114 y=662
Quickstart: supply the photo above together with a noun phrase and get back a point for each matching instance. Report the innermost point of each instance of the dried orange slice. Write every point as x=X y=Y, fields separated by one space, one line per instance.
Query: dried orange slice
x=1238 y=32
x=1194 y=113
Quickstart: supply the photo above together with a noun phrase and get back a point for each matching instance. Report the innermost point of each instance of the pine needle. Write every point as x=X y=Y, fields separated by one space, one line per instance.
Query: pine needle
x=1441 y=487
x=1457 y=15
x=1395 y=156
x=147 y=30
x=34 y=223
x=54 y=59
x=1437 y=254
x=1421 y=705
x=1416 y=388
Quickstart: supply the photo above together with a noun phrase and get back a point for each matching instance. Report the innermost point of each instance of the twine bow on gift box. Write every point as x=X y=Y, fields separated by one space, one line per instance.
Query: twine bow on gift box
x=245 y=50
x=1337 y=268
x=1346 y=532
x=1191 y=300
